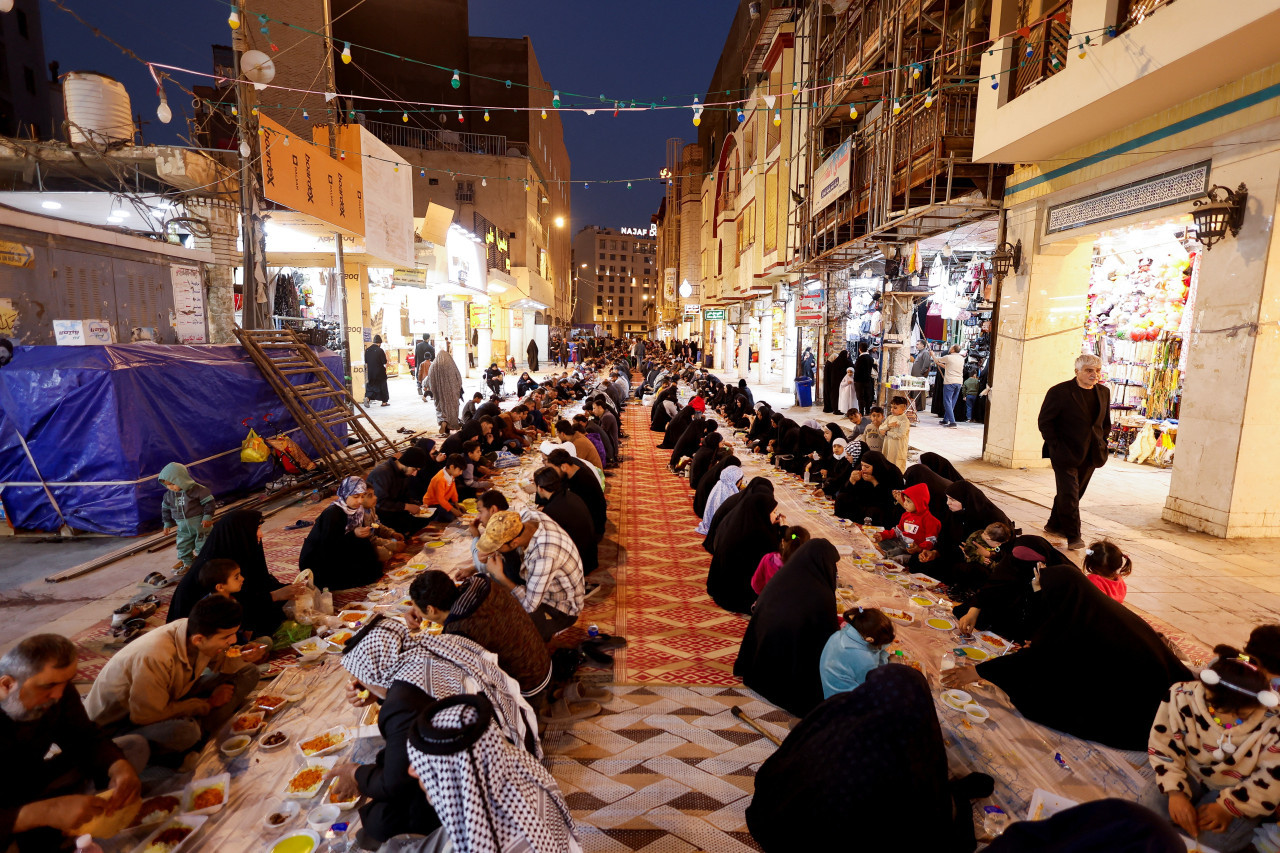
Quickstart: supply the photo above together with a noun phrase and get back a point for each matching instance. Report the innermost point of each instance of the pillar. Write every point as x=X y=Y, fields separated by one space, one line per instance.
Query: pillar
x=788 y=360
x=766 y=345
x=355 y=281
x=744 y=343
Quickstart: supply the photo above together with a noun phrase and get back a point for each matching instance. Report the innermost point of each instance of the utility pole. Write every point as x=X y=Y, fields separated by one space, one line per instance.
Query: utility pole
x=331 y=84
x=253 y=261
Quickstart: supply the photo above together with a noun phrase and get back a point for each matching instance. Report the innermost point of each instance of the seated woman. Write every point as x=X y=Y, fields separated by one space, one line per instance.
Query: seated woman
x=708 y=480
x=730 y=484
x=854 y=756
x=678 y=424
x=792 y=539
x=854 y=650
x=786 y=439
x=738 y=411
x=965 y=511
x=1215 y=748
x=870 y=492
x=1081 y=636
x=1100 y=826
x=339 y=549
x=1007 y=603
x=749 y=530
x=493 y=378
x=661 y=413
x=757 y=485
x=762 y=429
x=979 y=554
x=809 y=443
x=237 y=536
x=525 y=384
x=834 y=471
x=793 y=618
x=703 y=458
x=689 y=443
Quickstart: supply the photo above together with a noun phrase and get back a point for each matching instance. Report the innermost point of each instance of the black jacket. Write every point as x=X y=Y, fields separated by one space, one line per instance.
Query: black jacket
x=396 y=802
x=569 y=511
x=1070 y=437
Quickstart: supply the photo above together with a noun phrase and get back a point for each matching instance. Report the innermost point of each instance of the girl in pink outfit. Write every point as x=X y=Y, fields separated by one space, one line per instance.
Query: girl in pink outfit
x=792 y=539
x=1107 y=566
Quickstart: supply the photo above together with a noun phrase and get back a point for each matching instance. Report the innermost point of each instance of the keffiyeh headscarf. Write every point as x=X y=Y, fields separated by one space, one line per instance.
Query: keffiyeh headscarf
x=450 y=664
x=375 y=652
x=348 y=487
x=491 y=797
x=726 y=488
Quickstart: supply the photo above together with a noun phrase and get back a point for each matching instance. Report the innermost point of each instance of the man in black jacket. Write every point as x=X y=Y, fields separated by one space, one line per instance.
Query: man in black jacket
x=584 y=484
x=1075 y=420
x=391 y=480
x=863 y=380
x=566 y=509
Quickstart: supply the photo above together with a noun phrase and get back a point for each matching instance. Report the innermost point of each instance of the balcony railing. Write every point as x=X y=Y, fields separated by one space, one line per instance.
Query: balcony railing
x=1134 y=12
x=424 y=139
x=1043 y=52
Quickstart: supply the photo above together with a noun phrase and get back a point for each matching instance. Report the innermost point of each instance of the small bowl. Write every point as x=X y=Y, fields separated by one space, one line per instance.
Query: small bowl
x=295 y=693
x=976 y=713
x=235 y=745
x=377 y=594
x=956 y=699
x=288 y=808
x=322 y=817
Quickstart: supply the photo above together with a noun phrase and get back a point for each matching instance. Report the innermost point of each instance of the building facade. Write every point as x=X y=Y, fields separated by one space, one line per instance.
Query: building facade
x=26 y=94
x=617 y=271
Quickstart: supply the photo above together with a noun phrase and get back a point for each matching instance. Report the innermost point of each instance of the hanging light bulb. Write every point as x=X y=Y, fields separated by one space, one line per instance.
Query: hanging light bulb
x=254 y=110
x=456 y=82
x=484 y=182
x=853 y=111
x=628 y=185
x=486 y=115
x=404 y=116
x=1030 y=51
x=777 y=117
x=460 y=118
x=697 y=119
x=1082 y=54
x=305 y=116
x=995 y=84
x=795 y=88
x=163 y=112
x=346 y=53
x=928 y=99
x=422 y=173
x=544 y=113
x=245 y=150
x=235 y=112
x=1055 y=63
x=741 y=115
x=897 y=106
x=555 y=99
x=526 y=186
x=915 y=72
x=286 y=140
x=233 y=20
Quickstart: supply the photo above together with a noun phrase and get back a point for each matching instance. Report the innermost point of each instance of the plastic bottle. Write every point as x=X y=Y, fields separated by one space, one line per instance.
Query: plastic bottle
x=994 y=820
x=948 y=661
x=866 y=522
x=336 y=839
x=86 y=844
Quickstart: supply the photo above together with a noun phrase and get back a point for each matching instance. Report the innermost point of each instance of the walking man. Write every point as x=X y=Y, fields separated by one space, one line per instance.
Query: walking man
x=952 y=365
x=921 y=362
x=1075 y=420
x=863 y=382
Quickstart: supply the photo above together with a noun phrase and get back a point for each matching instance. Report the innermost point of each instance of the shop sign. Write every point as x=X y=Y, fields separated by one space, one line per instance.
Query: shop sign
x=188 y=303
x=480 y=316
x=16 y=254
x=713 y=314
x=68 y=333
x=812 y=310
x=692 y=310
x=831 y=179
x=303 y=177
x=97 y=332
x=409 y=278
x=651 y=231
x=669 y=283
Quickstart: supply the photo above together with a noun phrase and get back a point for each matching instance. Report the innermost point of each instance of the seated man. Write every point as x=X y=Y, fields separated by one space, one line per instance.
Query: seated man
x=566 y=509
x=484 y=612
x=609 y=426
x=469 y=410
x=157 y=686
x=549 y=565
x=45 y=797
x=486 y=505
x=493 y=378
x=442 y=493
x=392 y=481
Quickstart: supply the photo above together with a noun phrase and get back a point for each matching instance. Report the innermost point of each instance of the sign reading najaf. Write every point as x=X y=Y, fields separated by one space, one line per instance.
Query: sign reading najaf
x=303 y=177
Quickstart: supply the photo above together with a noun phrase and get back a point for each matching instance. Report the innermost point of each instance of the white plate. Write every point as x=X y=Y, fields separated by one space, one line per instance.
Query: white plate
x=352 y=623
x=922 y=601
x=925 y=581
x=956 y=699
x=194 y=821
x=162 y=816
x=232 y=730
x=342 y=730
x=222 y=780
x=937 y=623
x=289 y=808
x=310 y=648
x=281 y=845
x=344 y=806
x=325 y=764
x=269 y=747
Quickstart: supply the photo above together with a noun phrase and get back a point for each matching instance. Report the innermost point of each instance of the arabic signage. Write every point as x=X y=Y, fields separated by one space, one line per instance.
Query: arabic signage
x=812 y=310
x=188 y=303
x=832 y=179
x=16 y=254
x=303 y=177
x=713 y=314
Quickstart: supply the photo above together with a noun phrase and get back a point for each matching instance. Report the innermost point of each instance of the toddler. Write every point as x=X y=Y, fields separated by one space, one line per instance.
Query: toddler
x=792 y=538
x=916 y=531
x=983 y=546
x=188 y=507
x=1107 y=566
x=385 y=540
x=856 y=649
x=221 y=577
x=896 y=431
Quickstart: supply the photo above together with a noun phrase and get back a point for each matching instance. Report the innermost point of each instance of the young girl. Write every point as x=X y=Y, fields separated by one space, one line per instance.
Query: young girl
x=792 y=539
x=896 y=431
x=856 y=649
x=1107 y=566
x=1215 y=748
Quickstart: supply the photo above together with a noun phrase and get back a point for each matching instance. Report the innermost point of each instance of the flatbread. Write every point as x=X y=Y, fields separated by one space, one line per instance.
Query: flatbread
x=107 y=825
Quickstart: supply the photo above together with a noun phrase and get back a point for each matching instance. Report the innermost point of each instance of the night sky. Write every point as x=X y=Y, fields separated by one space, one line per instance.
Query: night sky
x=622 y=50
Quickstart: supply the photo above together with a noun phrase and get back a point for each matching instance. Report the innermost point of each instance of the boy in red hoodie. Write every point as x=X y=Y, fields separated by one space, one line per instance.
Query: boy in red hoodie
x=916 y=531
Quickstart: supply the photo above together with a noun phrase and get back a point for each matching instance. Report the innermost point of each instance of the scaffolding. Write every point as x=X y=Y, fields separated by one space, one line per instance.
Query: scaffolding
x=912 y=66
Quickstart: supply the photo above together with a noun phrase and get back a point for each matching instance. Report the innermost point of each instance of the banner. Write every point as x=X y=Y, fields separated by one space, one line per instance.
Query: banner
x=812 y=310
x=188 y=303
x=303 y=177
x=832 y=179
x=713 y=314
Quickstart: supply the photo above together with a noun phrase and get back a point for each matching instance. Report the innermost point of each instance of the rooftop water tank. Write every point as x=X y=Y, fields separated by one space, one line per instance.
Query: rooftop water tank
x=97 y=108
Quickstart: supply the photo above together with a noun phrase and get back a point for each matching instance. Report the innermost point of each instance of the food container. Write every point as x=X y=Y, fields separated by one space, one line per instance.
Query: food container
x=993 y=643
x=310 y=649
x=324 y=765
x=298 y=841
x=180 y=829
x=294 y=693
x=976 y=713
x=925 y=580
x=938 y=623
x=974 y=653
x=322 y=817
x=247 y=723
x=273 y=741
x=922 y=601
x=235 y=745
x=269 y=703
x=338 y=737
x=158 y=808
x=353 y=618
x=286 y=809
x=902 y=617
x=343 y=805
x=956 y=699
x=202 y=790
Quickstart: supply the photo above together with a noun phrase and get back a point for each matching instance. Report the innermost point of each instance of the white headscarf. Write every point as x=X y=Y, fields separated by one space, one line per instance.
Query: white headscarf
x=726 y=488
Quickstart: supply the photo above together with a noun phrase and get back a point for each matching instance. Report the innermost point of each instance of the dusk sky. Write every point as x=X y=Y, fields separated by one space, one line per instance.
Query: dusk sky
x=642 y=51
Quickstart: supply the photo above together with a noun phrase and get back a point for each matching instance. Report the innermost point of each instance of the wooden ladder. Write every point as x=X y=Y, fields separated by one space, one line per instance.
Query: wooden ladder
x=283 y=358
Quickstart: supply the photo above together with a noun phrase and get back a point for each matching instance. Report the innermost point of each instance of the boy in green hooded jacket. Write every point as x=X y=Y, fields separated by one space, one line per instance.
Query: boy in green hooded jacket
x=188 y=506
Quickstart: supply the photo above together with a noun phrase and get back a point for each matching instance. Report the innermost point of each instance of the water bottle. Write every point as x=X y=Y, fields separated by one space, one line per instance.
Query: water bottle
x=593 y=631
x=994 y=820
x=806 y=475
x=336 y=839
x=86 y=844
x=948 y=661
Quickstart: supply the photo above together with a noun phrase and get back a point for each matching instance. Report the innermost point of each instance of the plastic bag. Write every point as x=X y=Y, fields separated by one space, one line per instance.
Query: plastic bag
x=506 y=459
x=304 y=607
x=253 y=448
x=289 y=633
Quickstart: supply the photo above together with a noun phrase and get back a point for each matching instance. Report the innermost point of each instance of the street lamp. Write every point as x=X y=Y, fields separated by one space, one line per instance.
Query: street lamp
x=559 y=220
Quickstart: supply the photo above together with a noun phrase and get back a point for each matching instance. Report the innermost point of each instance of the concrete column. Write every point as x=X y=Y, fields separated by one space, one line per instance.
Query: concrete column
x=1042 y=311
x=766 y=345
x=1223 y=479
x=484 y=349
x=744 y=343
x=788 y=360
x=219 y=300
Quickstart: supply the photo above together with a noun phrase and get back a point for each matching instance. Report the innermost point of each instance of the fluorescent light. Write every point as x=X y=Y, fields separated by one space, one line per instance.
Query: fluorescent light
x=51 y=205
x=119 y=213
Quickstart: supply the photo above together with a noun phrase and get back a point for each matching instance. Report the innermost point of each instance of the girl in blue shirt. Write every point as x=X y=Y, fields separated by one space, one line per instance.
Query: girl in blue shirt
x=856 y=649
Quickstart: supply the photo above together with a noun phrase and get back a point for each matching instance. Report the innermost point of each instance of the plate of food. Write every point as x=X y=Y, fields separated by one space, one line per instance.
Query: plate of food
x=371 y=715
x=270 y=702
x=301 y=841
x=157 y=809
x=352 y=618
x=925 y=581
x=435 y=544
x=956 y=699
x=995 y=642
x=900 y=616
x=307 y=781
x=922 y=601
x=325 y=743
x=973 y=653
x=280 y=814
x=275 y=666
x=343 y=805
x=940 y=624
x=311 y=648
x=206 y=796
x=274 y=740
x=172 y=835
x=339 y=638
x=247 y=723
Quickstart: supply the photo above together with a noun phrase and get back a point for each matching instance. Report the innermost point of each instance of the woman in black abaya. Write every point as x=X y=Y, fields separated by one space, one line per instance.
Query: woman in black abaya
x=747 y=533
x=1007 y=603
x=703 y=458
x=757 y=485
x=708 y=482
x=762 y=428
x=941 y=466
x=691 y=440
x=870 y=491
x=808 y=441
x=786 y=436
x=833 y=372
x=1082 y=636
x=794 y=617
x=677 y=426
x=659 y=417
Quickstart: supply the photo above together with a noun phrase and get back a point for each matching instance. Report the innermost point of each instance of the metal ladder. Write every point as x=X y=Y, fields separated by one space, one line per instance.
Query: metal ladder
x=283 y=358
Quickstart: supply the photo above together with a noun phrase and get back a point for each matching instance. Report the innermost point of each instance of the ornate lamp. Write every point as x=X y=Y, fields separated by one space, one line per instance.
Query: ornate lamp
x=1222 y=211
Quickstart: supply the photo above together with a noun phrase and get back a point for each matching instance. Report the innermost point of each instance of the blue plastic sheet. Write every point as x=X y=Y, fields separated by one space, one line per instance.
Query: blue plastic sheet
x=101 y=421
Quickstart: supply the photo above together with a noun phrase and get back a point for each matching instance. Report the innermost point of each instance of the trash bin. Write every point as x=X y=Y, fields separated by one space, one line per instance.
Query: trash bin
x=804 y=390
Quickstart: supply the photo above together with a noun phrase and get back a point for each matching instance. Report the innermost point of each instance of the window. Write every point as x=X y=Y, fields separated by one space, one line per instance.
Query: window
x=611 y=288
x=773 y=135
x=464 y=191
x=613 y=257
x=602 y=256
x=599 y=300
x=747 y=227
x=648 y=270
x=29 y=78
x=433 y=182
x=771 y=210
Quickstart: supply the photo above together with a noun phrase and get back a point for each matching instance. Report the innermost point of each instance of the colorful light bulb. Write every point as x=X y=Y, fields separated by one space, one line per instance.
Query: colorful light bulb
x=346 y=53
x=456 y=82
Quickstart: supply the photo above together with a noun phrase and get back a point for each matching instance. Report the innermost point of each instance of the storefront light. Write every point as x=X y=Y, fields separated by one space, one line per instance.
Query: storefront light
x=1007 y=258
x=1221 y=211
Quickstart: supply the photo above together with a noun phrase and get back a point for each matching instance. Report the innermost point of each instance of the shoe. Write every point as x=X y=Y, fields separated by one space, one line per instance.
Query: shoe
x=178 y=564
x=386 y=404
x=591 y=589
x=576 y=691
x=561 y=711
x=1075 y=544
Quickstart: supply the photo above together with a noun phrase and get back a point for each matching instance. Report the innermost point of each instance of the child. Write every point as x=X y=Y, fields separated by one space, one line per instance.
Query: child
x=856 y=649
x=188 y=507
x=221 y=577
x=1215 y=748
x=442 y=493
x=1107 y=566
x=870 y=434
x=792 y=539
x=896 y=431
x=385 y=540
x=471 y=484
x=916 y=531
x=982 y=546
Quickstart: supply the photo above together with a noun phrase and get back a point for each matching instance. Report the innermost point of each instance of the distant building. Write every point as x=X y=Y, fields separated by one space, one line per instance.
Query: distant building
x=26 y=95
x=619 y=266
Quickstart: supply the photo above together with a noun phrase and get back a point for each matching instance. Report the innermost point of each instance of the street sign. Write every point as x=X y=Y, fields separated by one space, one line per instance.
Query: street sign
x=812 y=310
x=16 y=254
x=713 y=314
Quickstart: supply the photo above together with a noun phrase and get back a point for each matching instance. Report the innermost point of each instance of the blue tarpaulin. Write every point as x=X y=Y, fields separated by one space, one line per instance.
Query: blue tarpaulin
x=100 y=422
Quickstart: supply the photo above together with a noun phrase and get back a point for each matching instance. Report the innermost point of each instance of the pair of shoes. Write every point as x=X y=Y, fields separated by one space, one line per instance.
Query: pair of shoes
x=562 y=711
x=951 y=426
x=155 y=580
x=386 y=404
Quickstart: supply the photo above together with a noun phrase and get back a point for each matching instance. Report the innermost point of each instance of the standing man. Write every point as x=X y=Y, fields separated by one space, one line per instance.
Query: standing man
x=1075 y=420
x=375 y=373
x=952 y=365
x=532 y=352
x=920 y=364
x=808 y=365
x=863 y=383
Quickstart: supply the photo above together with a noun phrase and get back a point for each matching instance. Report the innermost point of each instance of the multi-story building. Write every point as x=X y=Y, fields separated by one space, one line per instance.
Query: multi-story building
x=617 y=269
x=26 y=95
x=1128 y=117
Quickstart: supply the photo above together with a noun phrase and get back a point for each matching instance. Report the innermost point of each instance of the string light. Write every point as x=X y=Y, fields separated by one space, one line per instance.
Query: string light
x=853 y=111
x=233 y=20
x=162 y=111
x=486 y=115
x=1082 y=53
x=544 y=113
x=286 y=140
x=555 y=99
x=484 y=182
x=346 y=53
x=305 y=116
x=915 y=72
x=897 y=106
x=456 y=82
x=404 y=117
x=777 y=117
x=741 y=115
x=460 y=118
x=422 y=173
x=928 y=99
x=245 y=150
x=795 y=88
x=995 y=84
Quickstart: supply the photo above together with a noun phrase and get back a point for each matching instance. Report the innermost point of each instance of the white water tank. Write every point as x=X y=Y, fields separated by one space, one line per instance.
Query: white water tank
x=97 y=109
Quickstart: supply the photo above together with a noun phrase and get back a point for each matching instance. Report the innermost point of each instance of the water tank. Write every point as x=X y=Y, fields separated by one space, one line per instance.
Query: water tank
x=97 y=109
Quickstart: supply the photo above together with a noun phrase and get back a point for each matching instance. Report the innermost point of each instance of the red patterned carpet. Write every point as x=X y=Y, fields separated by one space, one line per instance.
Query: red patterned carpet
x=675 y=633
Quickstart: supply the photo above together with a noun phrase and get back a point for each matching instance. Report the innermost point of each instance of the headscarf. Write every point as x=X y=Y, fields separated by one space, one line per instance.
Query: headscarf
x=1100 y=826
x=703 y=457
x=838 y=444
x=941 y=466
x=1006 y=602
x=176 y=473
x=373 y=654
x=445 y=383
x=491 y=797
x=355 y=515
x=917 y=475
x=977 y=511
x=756 y=484
x=885 y=472
x=724 y=488
x=793 y=619
x=708 y=482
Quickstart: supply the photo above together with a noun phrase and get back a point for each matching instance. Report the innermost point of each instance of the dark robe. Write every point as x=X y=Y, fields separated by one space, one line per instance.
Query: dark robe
x=861 y=499
x=396 y=802
x=339 y=560
x=703 y=458
x=1100 y=826
x=375 y=374
x=570 y=512
x=807 y=442
x=937 y=488
x=744 y=536
x=757 y=484
x=865 y=770
x=833 y=373
x=786 y=436
x=941 y=466
x=586 y=485
x=658 y=417
x=532 y=352
x=691 y=439
x=1085 y=637
x=235 y=537
x=677 y=426
x=794 y=617
x=708 y=481
x=1007 y=603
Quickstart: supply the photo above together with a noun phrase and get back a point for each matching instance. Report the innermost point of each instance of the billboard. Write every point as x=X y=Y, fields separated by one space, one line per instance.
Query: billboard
x=832 y=179
x=303 y=177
